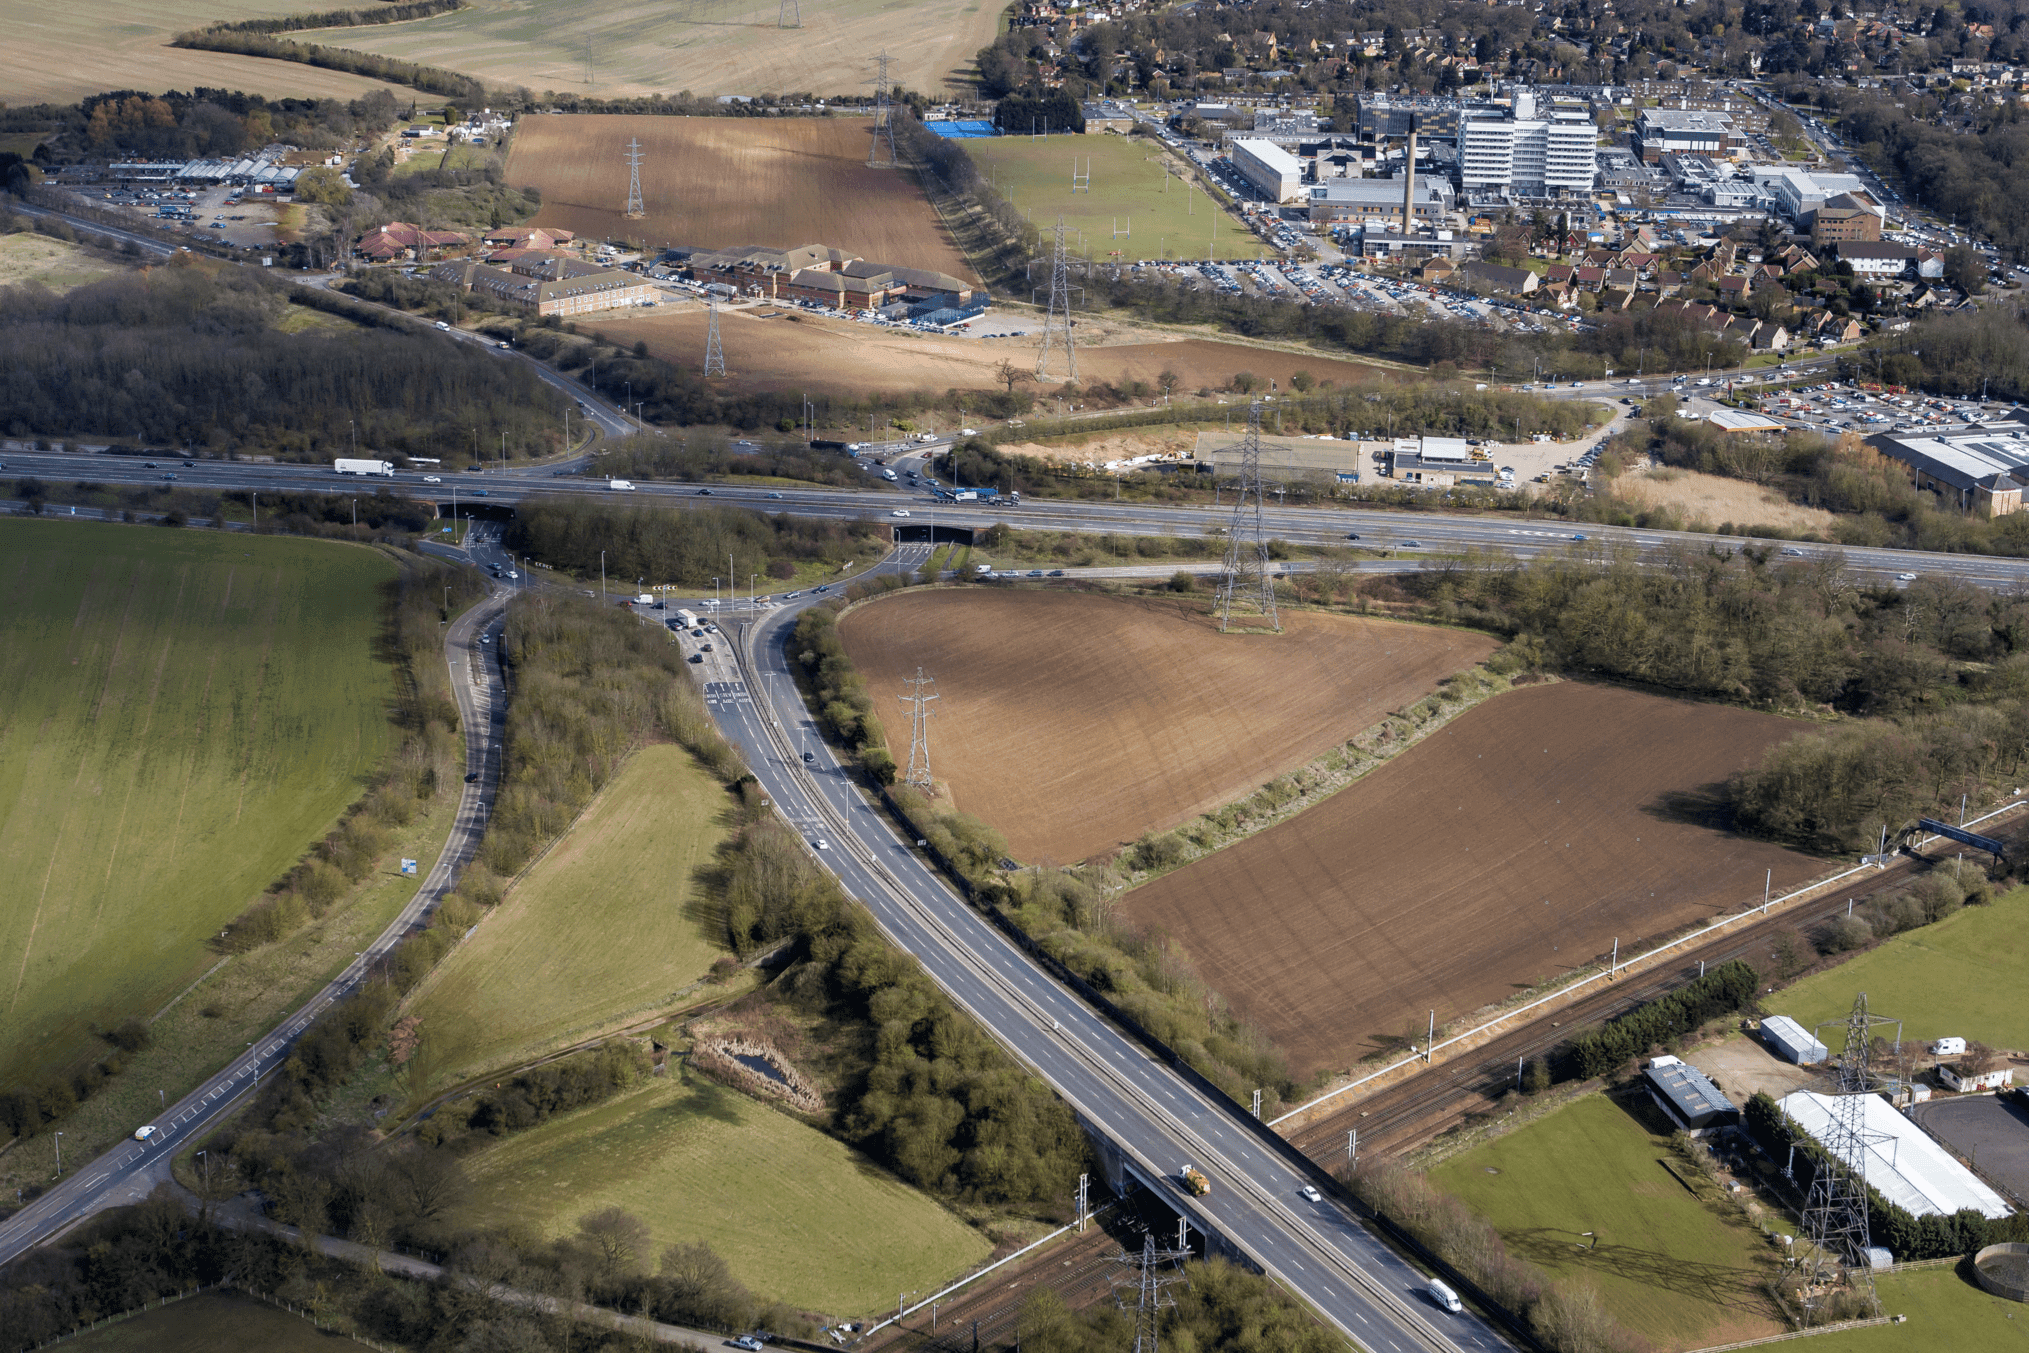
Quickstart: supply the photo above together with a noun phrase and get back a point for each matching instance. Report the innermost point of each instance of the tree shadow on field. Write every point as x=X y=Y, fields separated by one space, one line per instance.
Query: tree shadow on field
x=1708 y=806
x=1724 y=1286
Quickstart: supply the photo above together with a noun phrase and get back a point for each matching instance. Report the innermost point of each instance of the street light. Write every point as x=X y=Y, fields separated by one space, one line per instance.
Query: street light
x=59 y=1155
x=602 y=573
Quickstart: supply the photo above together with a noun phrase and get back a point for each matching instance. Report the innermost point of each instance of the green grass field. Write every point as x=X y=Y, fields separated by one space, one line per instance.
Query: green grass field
x=212 y=1321
x=1945 y=1312
x=1960 y=977
x=600 y=929
x=1682 y=1269
x=798 y=1216
x=1127 y=194
x=185 y=714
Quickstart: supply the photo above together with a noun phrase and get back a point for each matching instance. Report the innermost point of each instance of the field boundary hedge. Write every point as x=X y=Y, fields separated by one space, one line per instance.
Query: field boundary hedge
x=340 y=18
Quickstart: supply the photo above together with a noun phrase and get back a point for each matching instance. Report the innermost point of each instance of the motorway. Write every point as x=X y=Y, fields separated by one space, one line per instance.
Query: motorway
x=1153 y=1114
x=125 y=1172
x=1434 y=533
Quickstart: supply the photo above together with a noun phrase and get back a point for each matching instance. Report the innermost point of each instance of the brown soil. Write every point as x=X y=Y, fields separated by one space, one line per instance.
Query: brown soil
x=715 y=182
x=1076 y=722
x=765 y=348
x=1510 y=847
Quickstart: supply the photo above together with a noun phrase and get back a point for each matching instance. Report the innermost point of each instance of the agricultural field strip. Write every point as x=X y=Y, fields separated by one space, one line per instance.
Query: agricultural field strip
x=1438 y=531
x=69 y=1202
x=1113 y=1063
x=1800 y=894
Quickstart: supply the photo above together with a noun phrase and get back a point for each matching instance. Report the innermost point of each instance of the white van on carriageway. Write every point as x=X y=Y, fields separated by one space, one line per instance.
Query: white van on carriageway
x=1442 y=1294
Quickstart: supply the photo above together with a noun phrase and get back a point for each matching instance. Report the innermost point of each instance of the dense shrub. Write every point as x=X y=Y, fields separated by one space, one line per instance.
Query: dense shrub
x=1725 y=989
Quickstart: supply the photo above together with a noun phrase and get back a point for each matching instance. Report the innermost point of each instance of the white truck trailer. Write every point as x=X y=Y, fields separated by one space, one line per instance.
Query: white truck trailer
x=383 y=468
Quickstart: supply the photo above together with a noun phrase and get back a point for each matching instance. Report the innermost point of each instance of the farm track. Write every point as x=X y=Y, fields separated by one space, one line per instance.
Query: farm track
x=1400 y=1118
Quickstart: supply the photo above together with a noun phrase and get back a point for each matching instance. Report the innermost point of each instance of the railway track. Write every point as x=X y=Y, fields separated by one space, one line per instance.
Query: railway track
x=1080 y=1272
x=1404 y=1116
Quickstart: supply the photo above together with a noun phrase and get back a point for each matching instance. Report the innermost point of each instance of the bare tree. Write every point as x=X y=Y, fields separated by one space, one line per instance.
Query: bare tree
x=617 y=1239
x=1010 y=375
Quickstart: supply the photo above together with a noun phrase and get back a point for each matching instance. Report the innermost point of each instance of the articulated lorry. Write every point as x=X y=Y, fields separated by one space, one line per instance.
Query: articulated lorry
x=384 y=468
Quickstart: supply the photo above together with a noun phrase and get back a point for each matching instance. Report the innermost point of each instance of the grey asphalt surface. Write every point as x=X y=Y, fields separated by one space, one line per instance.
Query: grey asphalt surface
x=1436 y=532
x=111 y=1178
x=1158 y=1119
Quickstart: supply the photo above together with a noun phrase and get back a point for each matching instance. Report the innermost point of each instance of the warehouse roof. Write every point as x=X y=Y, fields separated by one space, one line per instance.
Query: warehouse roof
x=1270 y=155
x=1961 y=457
x=1899 y=1159
x=1732 y=420
x=1689 y=1091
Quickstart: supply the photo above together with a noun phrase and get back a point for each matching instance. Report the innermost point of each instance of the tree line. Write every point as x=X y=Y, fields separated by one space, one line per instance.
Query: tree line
x=429 y=79
x=341 y=18
x=191 y=357
x=1934 y=676
x=689 y=548
x=1723 y=990
x=702 y=454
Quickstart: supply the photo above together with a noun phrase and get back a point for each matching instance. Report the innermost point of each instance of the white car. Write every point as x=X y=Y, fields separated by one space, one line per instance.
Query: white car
x=433 y=479
x=1905 y=577
x=1311 y=1195
x=822 y=845
x=142 y=1134
x=899 y=512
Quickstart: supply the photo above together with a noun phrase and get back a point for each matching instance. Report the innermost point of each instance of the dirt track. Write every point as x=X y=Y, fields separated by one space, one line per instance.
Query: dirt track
x=1075 y=723
x=1511 y=847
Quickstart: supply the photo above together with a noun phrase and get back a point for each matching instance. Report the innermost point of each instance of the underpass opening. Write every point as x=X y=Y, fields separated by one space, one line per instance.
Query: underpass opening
x=933 y=533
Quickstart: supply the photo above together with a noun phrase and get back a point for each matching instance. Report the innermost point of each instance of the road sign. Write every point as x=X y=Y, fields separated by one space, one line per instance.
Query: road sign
x=408 y=866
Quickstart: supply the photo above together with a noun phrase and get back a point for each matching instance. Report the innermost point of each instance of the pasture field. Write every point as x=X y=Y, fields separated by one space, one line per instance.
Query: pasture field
x=1076 y=722
x=1961 y=976
x=715 y=182
x=60 y=53
x=1506 y=849
x=186 y=713
x=792 y=1211
x=211 y=1321
x=703 y=46
x=604 y=926
x=1674 y=1259
x=767 y=350
x=1945 y=1310
x=1158 y=215
x=52 y=263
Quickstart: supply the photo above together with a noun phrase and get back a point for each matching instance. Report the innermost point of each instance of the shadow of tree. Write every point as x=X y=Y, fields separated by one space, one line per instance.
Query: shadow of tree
x=1728 y=1287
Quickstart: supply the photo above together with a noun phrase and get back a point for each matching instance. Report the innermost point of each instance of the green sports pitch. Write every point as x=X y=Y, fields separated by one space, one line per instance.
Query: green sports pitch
x=185 y=714
x=1115 y=197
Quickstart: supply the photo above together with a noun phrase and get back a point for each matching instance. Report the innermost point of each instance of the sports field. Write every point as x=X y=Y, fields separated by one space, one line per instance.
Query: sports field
x=798 y=1216
x=705 y=47
x=60 y=53
x=185 y=714
x=1960 y=977
x=1076 y=722
x=1673 y=1258
x=1127 y=194
x=714 y=182
x=766 y=349
x=1511 y=846
x=601 y=928
x=209 y=1322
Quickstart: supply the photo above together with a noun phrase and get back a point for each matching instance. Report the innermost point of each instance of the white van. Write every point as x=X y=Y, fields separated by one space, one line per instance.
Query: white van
x=1445 y=1297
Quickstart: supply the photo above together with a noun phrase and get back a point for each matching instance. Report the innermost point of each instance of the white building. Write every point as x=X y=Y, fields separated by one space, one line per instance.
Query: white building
x=1528 y=156
x=1800 y=194
x=1974 y=1082
x=1273 y=171
x=1900 y=1160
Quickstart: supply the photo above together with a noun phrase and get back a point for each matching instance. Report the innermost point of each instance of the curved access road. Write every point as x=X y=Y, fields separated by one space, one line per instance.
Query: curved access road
x=131 y=1167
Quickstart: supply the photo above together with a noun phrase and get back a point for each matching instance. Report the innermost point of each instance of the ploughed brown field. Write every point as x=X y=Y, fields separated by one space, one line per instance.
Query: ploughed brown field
x=1510 y=846
x=1076 y=722
x=714 y=182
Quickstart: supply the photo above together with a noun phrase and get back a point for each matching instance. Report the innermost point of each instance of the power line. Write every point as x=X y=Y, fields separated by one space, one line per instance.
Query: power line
x=919 y=731
x=715 y=357
x=635 y=210
x=1248 y=525
x=1147 y=1284
x=1835 y=1225
x=884 y=120
x=1057 y=323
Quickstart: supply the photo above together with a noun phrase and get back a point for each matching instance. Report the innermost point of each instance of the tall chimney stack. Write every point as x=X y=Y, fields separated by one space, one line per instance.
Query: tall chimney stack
x=1409 y=182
